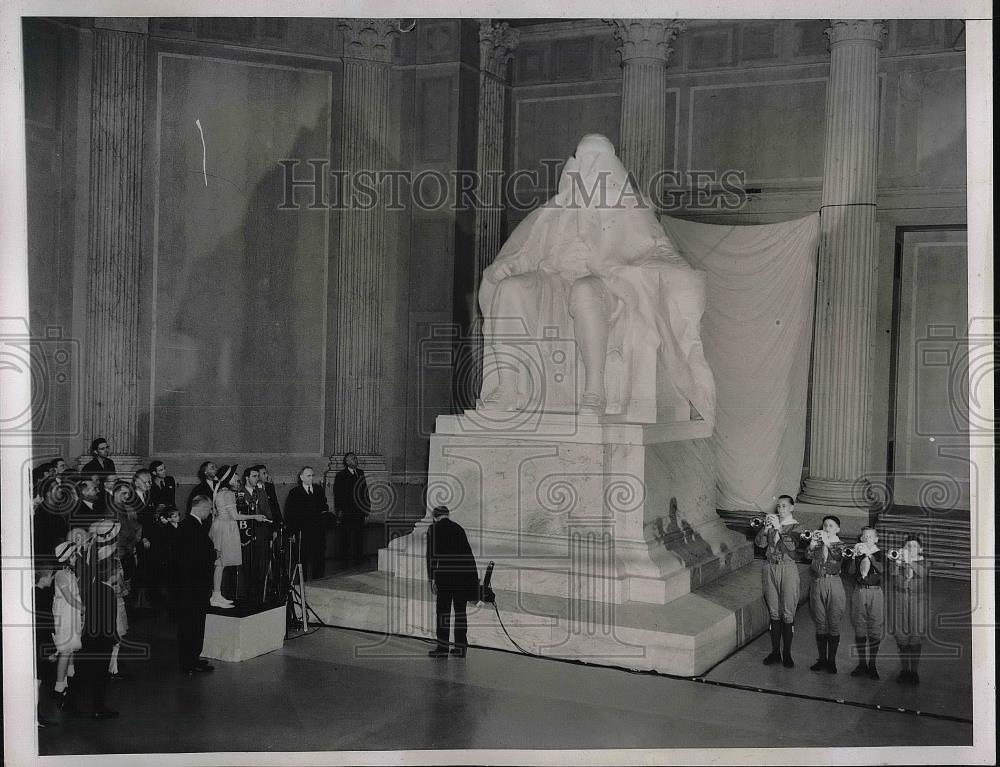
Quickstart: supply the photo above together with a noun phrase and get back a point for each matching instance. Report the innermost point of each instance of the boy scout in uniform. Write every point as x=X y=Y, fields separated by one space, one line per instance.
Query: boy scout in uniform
x=781 y=578
x=827 y=600
x=867 y=602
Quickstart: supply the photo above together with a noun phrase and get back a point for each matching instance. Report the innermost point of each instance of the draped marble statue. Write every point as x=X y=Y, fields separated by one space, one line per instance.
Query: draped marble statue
x=591 y=277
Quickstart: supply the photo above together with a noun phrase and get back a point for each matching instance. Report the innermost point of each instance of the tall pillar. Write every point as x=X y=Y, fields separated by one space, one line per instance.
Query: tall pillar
x=645 y=50
x=497 y=42
x=363 y=243
x=845 y=284
x=111 y=385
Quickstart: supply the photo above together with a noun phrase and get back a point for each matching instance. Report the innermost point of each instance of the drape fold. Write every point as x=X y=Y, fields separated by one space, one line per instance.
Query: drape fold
x=756 y=333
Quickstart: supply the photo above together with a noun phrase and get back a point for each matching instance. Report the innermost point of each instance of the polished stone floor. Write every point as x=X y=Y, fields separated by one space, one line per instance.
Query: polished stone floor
x=343 y=690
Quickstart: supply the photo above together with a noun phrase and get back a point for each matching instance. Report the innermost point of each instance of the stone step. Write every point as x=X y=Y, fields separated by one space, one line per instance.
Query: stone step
x=687 y=636
x=557 y=576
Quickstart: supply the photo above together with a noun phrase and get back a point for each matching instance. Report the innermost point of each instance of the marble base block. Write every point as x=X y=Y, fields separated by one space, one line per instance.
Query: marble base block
x=577 y=507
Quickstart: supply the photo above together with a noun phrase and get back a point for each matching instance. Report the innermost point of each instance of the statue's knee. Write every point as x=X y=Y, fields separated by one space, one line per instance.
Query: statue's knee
x=515 y=284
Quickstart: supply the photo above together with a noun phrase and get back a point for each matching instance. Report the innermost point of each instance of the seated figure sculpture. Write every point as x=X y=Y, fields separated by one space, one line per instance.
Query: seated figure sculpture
x=593 y=266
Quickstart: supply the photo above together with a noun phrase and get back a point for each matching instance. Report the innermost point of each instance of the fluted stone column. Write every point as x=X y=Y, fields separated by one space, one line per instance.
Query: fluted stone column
x=497 y=42
x=838 y=448
x=111 y=385
x=363 y=242
x=645 y=50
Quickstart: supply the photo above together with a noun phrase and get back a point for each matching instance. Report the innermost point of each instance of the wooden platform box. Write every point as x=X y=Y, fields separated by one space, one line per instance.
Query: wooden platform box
x=236 y=636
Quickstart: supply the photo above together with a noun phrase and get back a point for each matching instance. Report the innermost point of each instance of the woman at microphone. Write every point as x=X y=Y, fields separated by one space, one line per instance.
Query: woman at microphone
x=225 y=532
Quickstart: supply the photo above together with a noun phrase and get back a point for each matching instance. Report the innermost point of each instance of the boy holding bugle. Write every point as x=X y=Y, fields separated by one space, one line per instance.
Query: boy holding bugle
x=866 y=570
x=908 y=578
x=827 y=600
x=781 y=578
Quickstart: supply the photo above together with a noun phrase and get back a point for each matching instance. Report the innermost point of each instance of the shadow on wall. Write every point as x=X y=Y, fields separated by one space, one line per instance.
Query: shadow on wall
x=675 y=534
x=241 y=357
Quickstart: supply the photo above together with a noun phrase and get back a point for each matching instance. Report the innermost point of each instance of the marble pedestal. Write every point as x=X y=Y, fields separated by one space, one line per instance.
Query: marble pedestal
x=579 y=507
x=606 y=543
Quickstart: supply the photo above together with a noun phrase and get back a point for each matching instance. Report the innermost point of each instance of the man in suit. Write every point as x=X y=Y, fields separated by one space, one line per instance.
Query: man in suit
x=276 y=577
x=192 y=571
x=255 y=537
x=264 y=480
x=50 y=519
x=352 y=504
x=98 y=570
x=164 y=489
x=307 y=515
x=90 y=507
x=207 y=484
x=142 y=483
x=100 y=463
x=454 y=577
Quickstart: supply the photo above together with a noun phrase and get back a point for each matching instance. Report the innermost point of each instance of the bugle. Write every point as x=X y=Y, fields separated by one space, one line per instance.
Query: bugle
x=757 y=522
x=810 y=534
x=894 y=555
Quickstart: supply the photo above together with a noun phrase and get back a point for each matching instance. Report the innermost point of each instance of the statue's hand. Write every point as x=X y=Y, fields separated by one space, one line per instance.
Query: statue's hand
x=496 y=272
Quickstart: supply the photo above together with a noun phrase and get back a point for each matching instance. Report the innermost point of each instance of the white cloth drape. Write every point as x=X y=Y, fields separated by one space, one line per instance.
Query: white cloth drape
x=756 y=332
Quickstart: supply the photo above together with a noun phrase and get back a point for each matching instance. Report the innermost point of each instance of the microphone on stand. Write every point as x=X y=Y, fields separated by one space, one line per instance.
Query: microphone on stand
x=486 y=594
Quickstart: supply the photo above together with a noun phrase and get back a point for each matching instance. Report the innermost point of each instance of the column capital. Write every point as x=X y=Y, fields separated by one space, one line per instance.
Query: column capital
x=646 y=38
x=871 y=31
x=369 y=39
x=497 y=42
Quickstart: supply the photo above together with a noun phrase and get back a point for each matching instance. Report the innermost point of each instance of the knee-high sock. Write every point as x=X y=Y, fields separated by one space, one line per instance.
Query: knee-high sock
x=821 y=644
x=776 y=637
x=914 y=657
x=787 y=631
x=833 y=644
x=873 y=651
x=861 y=644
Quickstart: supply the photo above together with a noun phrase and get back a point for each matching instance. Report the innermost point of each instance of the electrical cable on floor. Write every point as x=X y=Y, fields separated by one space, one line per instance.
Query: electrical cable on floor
x=488 y=596
x=678 y=677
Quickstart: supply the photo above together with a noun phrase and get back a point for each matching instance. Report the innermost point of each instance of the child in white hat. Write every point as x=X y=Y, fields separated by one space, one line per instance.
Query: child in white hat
x=67 y=612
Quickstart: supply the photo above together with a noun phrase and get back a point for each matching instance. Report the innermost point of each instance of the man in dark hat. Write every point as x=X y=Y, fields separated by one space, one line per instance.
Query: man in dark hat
x=454 y=577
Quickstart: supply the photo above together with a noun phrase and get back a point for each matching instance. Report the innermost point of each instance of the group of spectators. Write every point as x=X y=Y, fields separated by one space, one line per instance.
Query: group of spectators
x=106 y=546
